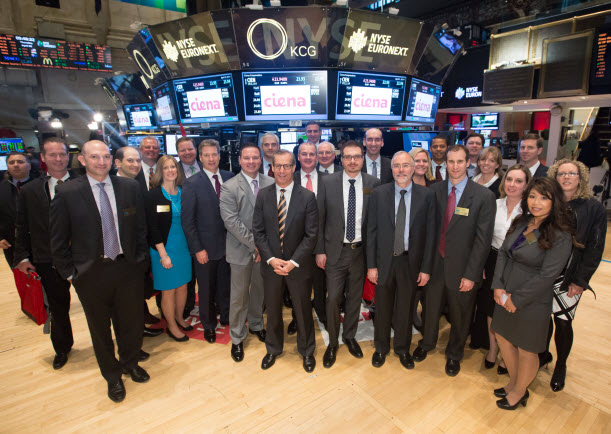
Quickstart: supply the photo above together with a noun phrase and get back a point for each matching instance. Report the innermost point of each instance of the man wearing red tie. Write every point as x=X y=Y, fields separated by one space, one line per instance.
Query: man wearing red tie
x=270 y=145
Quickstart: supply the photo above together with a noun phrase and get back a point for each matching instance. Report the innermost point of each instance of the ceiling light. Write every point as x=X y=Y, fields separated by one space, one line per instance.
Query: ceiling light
x=56 y=123
x=98 y=117
x=93 y=126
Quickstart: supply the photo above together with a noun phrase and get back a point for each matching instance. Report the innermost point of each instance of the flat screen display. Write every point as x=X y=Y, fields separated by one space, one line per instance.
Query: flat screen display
x=485 y=121
x=11 y=144
x=423 y=101
x=288 y=137
x=171 y=140
x=140 y=117
x=3 y=165
x=134 y=140
x=366 y=96
x=165 y=107
x=448 y=41
x=206 y=99
x=282 y=95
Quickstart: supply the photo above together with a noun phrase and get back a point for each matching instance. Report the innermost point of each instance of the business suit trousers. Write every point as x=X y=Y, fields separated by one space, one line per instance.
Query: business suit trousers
x=300 y=290
x=348 y=273
x=319 y=285
x=460 y=312
x=113 y=290
x=8 y=254
x=58 y=298
x=246 y=300
x=394 y=300
x=213 y=280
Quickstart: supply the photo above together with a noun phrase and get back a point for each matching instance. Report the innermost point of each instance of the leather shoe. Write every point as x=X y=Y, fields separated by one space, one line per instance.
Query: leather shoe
x=354 y=348
x=224 y=322
x=149 y=318
x=557 y=383
x=116 y=391
x=185 y=338
x=378 y=359
x=138 y=374
x=185 y=329
x=60 y=360
x=210 y=335
x=309 y=363
x=419 y=354
x=143 y=355
x=268 y=361
x=151 y=333
x=329 y=358
x=237 y=352
x=406 y=360
x=260 y=334
x=292 y=328
x=504 y=403
x=452 y=367
x=500 y=392
x=501 y=370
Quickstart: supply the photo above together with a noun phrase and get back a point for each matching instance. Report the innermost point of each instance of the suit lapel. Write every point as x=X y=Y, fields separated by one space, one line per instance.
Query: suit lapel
x=415 y=205
x=368 y=185
x=120 y=203
x=390 y=199
x=89 y=200
x=246 y=189
x=208 y=184
x=339 y=193
x=296 y=198
x=464 y=202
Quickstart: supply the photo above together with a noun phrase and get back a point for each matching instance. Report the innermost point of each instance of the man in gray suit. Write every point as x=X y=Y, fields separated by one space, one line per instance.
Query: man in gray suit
x=464 y=224
x=342 y=206
x=237 y=204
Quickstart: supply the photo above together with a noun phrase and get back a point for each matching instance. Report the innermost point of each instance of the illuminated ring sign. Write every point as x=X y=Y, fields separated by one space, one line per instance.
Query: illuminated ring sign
x=137 y=56
x=277 y=25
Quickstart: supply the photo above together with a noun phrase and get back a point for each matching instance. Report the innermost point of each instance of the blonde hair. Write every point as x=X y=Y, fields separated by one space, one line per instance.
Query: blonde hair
x=429 y=172
x=157 y=178
x=583 y=189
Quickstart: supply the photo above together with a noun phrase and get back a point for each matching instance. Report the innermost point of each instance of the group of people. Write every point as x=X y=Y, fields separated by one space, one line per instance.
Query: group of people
x=449 y=230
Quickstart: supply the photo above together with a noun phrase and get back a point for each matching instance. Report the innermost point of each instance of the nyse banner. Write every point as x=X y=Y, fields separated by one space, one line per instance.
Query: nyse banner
x=140 y=53
x=190 y=46
x=378 y=42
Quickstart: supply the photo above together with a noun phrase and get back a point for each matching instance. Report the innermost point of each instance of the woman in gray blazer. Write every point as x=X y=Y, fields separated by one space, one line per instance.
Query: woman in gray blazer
x=534 y=253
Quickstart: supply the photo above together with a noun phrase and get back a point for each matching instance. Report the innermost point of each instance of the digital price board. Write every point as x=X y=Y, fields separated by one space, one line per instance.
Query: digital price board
x=163 y=96
x=206 y=99
x=600 y=74
x=423 y=101
x=366 y=96
x=11 y=145
x=140 y=117
x=53 y=53
x=282 y=95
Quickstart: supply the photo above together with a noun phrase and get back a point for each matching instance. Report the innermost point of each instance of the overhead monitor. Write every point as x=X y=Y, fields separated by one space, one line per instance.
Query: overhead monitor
x=140 y=117
x=129 y=88
x=485 y=121
x=423 y=101
x=171 y=140
x=288 y=137
x=368 y=96
x=3 y=165
x=134 y=140
x=285 y=95
x=448 y=41
x=11 y=144
x=165 y=106
x=203 y=99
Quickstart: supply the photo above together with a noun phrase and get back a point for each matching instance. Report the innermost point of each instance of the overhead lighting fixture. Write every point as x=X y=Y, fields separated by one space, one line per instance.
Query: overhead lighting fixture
x=341 y=3
x=56 y=123
x=93 y=126
x=275 y=3
x=393 y=11
x=98 y=117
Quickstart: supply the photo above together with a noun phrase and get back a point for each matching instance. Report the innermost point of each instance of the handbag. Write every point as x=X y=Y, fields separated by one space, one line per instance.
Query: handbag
x=31 y=295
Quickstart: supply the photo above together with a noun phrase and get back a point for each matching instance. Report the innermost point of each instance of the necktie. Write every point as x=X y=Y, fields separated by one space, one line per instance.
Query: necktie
x=270 y=172
x=309 y=183
x=18 y=185
x=438 y=173
x=450 y=208
x=217 y=185
x=351 y=217
x=255 y=184
x=151 y=173
x=326 y=170
x=59 y=181
x=399 y=244
x=192 y=170
x=374 y=169
x=109 y=230
x=281 y=216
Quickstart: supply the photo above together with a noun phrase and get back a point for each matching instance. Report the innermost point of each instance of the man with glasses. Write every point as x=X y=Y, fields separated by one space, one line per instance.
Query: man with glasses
x=326 y=158
x=376 y=165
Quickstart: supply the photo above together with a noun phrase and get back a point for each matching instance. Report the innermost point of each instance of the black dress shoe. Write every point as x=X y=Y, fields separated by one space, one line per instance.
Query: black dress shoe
x=210 y=335
x=354 y=348
x=149 y=318
x=504 y=404
x=329 y=358
x=224 y=322
x=151 y=333
x=406 y=360
x=268 y=361
x=545 y=359
x=292 y=328
x=500 y=392
x=287 y=300
x=60 y=360
x=378 y=359
x=501 y=370
x=143 y=355
x=557 y=383
x=419 y=354
x=116 y=391
x=237 y=352
x=260 y=334
x=185 y=338
x=185 y=329
x=138 y=374
x=309 y=363
x=452 y=367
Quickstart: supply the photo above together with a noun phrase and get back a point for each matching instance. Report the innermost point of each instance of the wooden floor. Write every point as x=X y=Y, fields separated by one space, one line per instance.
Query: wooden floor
x=196 y=387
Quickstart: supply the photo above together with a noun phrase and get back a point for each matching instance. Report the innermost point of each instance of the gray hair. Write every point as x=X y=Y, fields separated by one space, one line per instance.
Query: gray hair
x=327 y=143
x=269 y=135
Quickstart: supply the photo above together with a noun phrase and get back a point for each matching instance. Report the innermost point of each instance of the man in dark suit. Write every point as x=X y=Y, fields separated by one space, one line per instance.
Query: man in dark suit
x=32 y=247
x=269 y=144
x=128 y=162
x=464 y=219
x=206 y=236
x=97 y=228
x=285 y=225
x=149 y=149
x=326 y=159
x=474 y=144
x=400 y=243
x=376 y=165
x=340 y=252
x=531 y=147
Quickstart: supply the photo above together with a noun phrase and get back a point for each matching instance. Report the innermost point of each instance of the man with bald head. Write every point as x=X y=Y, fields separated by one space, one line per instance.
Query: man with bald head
x=326 y=158
x=97 y=229
x=376 y=165
x=149 y=150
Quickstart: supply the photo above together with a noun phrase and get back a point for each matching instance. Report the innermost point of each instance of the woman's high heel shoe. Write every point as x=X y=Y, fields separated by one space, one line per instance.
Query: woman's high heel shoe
x=504 y=404
x=501 y=370
x=185 y=338
x=185 y=329
x=489 y=365
x=500 y=393
x=557 y=383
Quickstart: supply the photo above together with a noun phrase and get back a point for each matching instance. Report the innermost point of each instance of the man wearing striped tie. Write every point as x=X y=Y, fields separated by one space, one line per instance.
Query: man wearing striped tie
x=285 y=227
x=149 y=149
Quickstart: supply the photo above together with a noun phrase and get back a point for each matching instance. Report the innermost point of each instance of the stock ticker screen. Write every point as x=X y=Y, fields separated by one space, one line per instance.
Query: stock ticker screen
x=206 y=99
x=423 y=101
x=140 y=117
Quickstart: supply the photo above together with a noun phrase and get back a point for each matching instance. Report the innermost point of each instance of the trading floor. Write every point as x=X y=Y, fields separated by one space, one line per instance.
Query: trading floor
x=196 y=387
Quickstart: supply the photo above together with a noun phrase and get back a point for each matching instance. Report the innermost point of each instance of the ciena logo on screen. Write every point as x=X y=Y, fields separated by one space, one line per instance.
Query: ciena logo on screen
x=370 y=100
x=423 y=105
x=285 y=100
x=204 y=103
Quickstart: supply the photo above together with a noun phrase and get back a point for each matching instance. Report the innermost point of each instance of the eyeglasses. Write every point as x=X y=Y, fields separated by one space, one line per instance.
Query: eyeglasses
x=399 y=166
x=283 y=166
x=569 y=174
x=352 y=157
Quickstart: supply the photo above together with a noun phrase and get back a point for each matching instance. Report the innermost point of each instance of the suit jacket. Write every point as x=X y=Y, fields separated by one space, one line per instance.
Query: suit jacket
x=76 y=228
x=297 y=179
x=332 y=223
x=468 y=238
x=237 y=209
x=301 y=229
x=381 y=230
x=541 y=171
x=386 y=169
x=158 y=216
x=336 y=168
x=8 y=215
x=182 y=170
x=262 y=165
x=141 y=180
x=33 y=222
x=201 y=215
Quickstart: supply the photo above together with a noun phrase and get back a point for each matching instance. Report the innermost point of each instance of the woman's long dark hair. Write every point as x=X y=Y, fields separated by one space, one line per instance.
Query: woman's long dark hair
x=559 y=218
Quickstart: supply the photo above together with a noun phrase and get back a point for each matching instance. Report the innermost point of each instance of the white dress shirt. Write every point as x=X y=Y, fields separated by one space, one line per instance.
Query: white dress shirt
x=534 y=168
x=288 y=191
x=330 y=169
x=111 y=197
x=502 y=223
x=52 y=183
x=250 y=180
x=146 y=169
x=187 y=169
x=313 y=177
x=442 y=170
x=369 y=165
x=358 y=213
x=210 y=176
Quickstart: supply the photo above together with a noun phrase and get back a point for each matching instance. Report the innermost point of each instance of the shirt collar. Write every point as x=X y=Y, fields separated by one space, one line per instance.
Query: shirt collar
x=312 y=173
x=249 y=179
x=534 y=168
x=93 y=182
x=408 y=189
x=288 y=189
x=210 y=174
x=346 y=178
x=369 y=160
x=147 y=168
x=66 y=176
x=460 y=186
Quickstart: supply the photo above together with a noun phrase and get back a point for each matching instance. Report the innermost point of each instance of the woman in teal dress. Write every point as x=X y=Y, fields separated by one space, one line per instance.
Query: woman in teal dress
x=170 y=258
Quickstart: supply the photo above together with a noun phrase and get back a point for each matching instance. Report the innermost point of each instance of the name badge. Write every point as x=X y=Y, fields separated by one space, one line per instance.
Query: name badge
x=366 y=190
x=462 y=211
x=129 y=211
x=163 y=208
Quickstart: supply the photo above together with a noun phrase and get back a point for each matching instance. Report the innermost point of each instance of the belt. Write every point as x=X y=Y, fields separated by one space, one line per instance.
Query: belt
x=353 y=245
x=119 y=257
x=400 y=254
